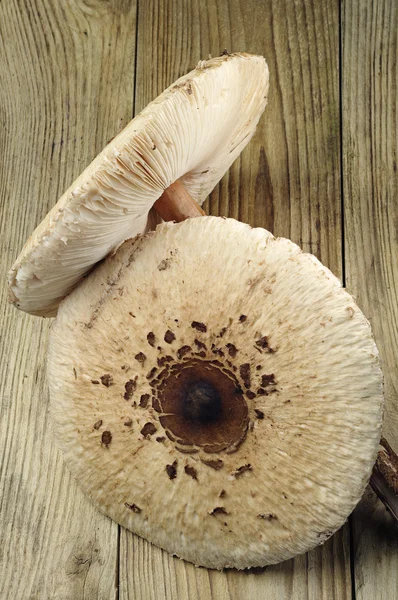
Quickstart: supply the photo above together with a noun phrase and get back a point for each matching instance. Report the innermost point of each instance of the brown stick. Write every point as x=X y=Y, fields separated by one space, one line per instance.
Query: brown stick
x=175 y=204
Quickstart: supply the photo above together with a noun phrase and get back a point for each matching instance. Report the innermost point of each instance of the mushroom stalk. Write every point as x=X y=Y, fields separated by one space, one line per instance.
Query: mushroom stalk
x=384 y=479
x=175 y=204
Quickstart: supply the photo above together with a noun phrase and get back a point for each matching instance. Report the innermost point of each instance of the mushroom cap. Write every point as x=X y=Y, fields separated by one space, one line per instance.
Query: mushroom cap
x=193 y=132
x=213 y=299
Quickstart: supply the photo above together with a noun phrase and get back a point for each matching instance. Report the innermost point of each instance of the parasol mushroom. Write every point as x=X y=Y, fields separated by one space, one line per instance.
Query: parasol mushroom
x=221 y=435
x=192 y=132
x=237 y=387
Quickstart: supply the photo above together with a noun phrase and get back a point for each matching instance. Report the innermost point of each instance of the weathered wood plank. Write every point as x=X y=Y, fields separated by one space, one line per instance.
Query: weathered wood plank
x=287 y=180
x=370 y=149
x=148 y=573
x=67 y=78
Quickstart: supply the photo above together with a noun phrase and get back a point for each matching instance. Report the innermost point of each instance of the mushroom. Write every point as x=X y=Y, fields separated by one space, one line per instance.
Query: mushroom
x=250 y=381
x=240 y=427
x=192 y=133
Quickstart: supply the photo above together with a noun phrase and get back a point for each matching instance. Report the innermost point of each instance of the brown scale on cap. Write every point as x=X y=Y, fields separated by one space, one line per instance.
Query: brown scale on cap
x=267 y=380
x=186 y=450
x=199 y=326
x=162 y=375
x=163 y=360
x=243 y=469
x=263 y=345
x=244 y=371
x=106 y=380
x=232 y=350
x=151 y=338
x=144 y=400
x=219 y=510
x=181 y=352
x=155 y=403
x=148 y=430
x=171 y=470
x=130 y=386
x=200 y=345
x=169 y=337
x=164 y=264
x=133 y=507
x=216 y=464
x=217 y=351
x=267 y=516
x=152 y=373
x=141 y=358
x=106 y=438
x=191 y=471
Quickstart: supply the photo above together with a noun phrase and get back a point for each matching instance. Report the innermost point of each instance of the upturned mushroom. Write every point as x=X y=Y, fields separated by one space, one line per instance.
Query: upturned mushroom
x=192 y=133
x=238 y=389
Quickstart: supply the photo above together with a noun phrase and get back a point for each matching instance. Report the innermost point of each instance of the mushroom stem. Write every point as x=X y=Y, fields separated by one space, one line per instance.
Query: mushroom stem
x=384 y=480
x=175 y=204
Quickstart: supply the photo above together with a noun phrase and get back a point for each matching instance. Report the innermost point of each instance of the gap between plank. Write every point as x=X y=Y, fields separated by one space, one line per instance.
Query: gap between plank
x=352 y=557
x=117 y=581
x=117 y=577
x=343 y=266
x=137 y=15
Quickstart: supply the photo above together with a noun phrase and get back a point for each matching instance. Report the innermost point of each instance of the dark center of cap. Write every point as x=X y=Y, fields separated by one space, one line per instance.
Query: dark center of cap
x=201 y=404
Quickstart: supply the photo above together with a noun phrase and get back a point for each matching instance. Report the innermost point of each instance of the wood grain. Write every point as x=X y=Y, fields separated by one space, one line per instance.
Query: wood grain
x=287 y=180
x=370 y=144
x=67 y=77
x=149 y=573
x=67 y=86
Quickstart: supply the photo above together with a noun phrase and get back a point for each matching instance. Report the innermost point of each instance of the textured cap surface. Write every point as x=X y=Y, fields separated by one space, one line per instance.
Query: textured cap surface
x=293 y=361
x=192 y=132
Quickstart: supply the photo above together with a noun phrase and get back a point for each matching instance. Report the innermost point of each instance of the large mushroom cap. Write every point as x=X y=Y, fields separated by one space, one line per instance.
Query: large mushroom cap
x=216 y=391
x=192 y=132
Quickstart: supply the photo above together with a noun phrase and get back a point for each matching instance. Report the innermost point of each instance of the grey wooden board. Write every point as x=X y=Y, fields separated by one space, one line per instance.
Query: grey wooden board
x=68 y=84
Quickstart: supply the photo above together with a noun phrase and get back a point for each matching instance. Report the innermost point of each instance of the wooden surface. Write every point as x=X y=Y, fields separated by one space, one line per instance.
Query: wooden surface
x=322 y=170
x=370 y=155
